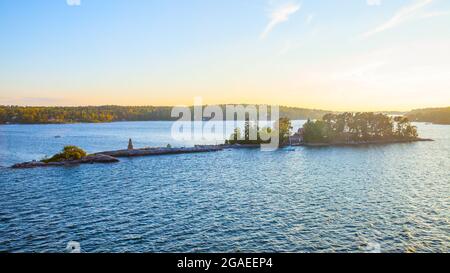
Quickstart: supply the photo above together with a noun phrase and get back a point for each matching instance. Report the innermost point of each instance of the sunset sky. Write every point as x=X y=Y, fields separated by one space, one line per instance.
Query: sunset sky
x=327 y=54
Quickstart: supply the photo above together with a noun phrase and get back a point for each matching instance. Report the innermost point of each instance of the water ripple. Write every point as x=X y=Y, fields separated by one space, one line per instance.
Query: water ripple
x=308 y=200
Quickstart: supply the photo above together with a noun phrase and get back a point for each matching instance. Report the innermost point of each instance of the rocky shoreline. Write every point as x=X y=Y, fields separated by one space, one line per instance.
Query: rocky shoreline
x=240 y=146
x=90 y=159
x=362 y=143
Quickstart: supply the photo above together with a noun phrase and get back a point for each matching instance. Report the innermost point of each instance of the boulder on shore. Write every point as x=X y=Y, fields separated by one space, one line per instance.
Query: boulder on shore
x=90 y=159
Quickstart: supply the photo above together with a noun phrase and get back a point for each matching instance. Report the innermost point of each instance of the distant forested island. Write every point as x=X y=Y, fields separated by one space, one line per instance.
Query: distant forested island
x=94 y=114
x=433 y=115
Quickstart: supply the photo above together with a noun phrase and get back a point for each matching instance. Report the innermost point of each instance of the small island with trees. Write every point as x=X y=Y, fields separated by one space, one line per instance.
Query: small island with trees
x=334 y=129
x=359 y=128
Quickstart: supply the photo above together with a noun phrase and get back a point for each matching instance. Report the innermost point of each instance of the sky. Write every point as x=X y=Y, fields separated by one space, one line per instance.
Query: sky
x=352 y=55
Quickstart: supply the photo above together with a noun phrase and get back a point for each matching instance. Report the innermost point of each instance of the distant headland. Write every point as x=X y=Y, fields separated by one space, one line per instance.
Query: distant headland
x=432 y=115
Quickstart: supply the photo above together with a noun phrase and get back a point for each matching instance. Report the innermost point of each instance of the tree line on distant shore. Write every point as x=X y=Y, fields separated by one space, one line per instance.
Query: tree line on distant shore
x=111 y=113
x=87 y=114
x=434 y=115
x=94 y=114
x=358 y=127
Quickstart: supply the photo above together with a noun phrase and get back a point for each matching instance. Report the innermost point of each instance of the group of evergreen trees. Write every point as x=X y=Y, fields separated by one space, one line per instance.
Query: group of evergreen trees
x=253 y=135
x=349 y=127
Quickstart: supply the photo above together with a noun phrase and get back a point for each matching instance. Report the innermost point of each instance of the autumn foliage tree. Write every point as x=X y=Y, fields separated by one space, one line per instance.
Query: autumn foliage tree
x=68 y=153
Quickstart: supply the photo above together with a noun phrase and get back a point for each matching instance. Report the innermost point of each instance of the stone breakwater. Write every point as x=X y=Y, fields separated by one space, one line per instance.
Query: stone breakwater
x=161 y=151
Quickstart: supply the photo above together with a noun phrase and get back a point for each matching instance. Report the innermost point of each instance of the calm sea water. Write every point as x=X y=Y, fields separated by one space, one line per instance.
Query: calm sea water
x=345 y=199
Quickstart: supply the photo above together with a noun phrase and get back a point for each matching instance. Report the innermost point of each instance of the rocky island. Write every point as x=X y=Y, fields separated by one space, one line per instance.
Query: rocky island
x=72 y=155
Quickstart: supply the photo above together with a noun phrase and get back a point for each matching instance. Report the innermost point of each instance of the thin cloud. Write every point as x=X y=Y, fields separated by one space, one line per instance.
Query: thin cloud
x=310 y=18
x=373 y=2
x=278 y=16
x=73 y=2
x=435 y=14
x=404 y=14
